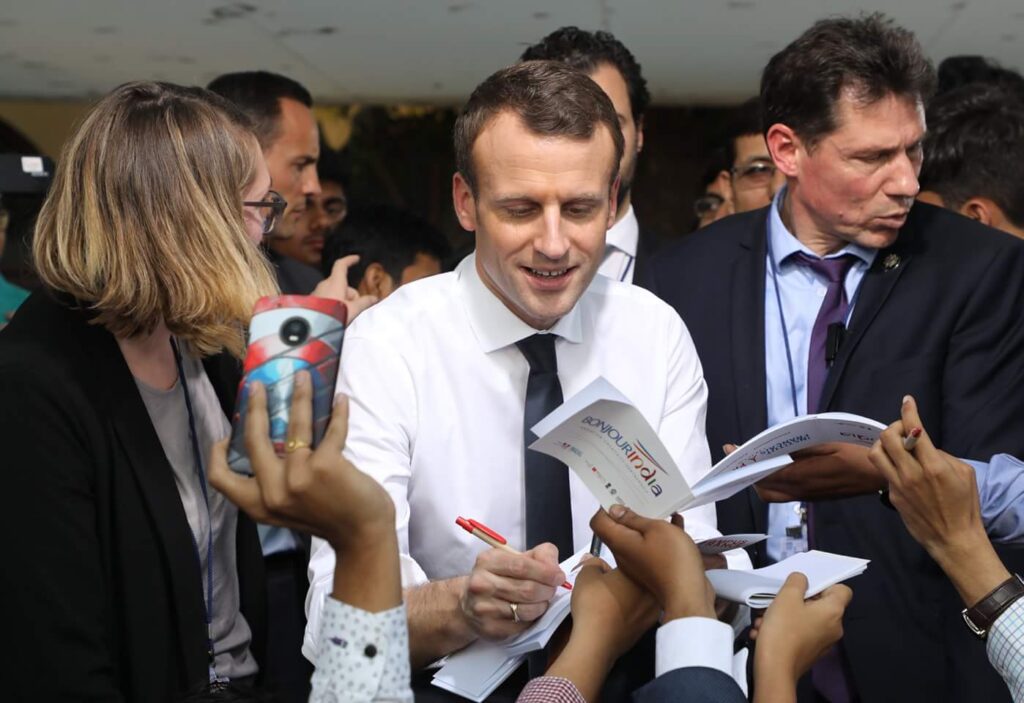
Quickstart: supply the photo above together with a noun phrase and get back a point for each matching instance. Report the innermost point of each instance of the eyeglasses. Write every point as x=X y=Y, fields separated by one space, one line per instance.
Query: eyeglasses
x=756 y=174
x=274 y=205
x=334 y=208
x=707 y=204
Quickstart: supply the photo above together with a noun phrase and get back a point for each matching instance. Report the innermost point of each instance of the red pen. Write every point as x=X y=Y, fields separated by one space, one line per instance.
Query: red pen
x=486 y=534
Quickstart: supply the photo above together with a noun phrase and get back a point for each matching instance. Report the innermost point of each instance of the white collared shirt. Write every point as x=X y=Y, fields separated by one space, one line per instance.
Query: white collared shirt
x=437 y=392
x=621 y=242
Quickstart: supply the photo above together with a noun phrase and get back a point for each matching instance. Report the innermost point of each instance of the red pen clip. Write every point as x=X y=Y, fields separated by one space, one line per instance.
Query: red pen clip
x=488 y=531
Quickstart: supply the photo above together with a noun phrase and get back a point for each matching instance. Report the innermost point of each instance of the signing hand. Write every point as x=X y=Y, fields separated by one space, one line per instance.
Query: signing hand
x=500 y=580
x=831 y=470
x=336 y=287
x=661 y=557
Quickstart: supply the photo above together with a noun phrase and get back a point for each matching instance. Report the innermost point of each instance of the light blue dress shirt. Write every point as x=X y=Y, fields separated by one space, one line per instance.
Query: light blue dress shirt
x=801 y=292
x=1001 y=490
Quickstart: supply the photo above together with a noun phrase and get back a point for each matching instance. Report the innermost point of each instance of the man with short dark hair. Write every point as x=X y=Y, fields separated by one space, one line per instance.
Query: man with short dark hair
x=753 y=179
x=844 y=295
x=330 y=206
x=447 y=375
x=281 y=110
x=974 y=156
x=611 y=65
x=394 y=247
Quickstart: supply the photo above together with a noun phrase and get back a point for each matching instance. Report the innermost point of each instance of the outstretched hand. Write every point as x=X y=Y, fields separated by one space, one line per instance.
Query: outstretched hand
x=336 y=287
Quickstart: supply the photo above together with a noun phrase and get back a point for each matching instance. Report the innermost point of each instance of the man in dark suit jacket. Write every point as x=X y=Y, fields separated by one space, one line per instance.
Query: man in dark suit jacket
x=612 y=66
x=936 y=314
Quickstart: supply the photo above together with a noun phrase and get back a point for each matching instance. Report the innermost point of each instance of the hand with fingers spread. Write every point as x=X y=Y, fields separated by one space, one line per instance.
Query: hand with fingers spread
x=336 y=287
x=319 y=492
x=506 y=592
x=937 y=497
x=793 y=634
x=661 y=557
x=609 y=614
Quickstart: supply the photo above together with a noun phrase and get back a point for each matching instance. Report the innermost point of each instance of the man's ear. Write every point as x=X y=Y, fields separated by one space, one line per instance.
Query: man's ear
x=465 y=202
x=376 y=281
x=640 y=134
x=785 y=148
x=613 y=203
x=981 y=209
x=723 y=182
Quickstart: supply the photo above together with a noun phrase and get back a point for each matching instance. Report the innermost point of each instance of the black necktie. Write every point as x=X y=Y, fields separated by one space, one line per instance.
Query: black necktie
x=548 y=506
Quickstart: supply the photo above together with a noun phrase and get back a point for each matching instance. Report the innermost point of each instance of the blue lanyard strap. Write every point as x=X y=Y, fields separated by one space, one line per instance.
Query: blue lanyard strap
x=197 y=456
x=785 y=331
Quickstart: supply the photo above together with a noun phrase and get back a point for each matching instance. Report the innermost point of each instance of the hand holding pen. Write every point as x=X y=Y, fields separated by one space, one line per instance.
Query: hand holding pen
x=507 y=590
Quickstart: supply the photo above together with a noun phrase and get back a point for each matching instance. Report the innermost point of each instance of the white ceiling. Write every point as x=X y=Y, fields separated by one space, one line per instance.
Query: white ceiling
x=435 y=51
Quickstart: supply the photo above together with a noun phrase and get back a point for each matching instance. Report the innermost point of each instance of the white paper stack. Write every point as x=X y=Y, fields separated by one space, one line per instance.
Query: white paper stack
x=758 y=587
x=477 y=670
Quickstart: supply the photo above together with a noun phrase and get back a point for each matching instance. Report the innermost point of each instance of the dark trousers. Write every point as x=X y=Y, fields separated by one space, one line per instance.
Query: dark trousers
x=286 y=673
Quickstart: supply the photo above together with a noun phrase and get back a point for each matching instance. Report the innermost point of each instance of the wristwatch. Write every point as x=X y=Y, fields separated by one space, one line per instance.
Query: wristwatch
x=979 y=618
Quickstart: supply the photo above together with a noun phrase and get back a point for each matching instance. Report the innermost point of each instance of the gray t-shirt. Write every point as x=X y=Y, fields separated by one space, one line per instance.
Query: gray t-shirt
x=167 y=411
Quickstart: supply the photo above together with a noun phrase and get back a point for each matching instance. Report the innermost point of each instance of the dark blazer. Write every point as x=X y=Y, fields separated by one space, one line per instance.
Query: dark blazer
x=691 y=684
x=939 y=316
x=100 y=594
x=646 y=246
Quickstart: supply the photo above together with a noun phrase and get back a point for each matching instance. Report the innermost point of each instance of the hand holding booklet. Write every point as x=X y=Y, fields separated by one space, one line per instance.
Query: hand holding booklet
x=758 y=587
x=599 y=434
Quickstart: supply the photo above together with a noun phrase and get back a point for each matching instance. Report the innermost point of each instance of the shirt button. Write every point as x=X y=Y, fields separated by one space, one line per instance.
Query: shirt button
x=370 y=651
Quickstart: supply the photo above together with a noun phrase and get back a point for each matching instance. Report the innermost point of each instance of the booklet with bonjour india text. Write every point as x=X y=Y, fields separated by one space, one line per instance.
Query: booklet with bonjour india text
x=600 y=434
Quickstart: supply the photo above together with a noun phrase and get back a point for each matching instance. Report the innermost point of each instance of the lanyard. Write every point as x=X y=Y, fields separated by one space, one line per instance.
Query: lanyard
x=785 y=331
x=197 y=457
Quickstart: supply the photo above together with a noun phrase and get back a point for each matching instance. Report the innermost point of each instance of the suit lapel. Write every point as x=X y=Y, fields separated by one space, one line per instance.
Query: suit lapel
x=747 y=346
x=875 y=289
x=155 y=479
x=747 y=337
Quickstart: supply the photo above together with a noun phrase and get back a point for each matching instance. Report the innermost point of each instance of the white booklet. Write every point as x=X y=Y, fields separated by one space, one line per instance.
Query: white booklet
x=599 y=434
x=477 y=670
x=758 y=587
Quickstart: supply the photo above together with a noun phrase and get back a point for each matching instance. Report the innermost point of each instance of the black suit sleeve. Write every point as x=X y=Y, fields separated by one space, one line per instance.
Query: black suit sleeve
x=55 y=606
x=691 y=684
x=983 y=370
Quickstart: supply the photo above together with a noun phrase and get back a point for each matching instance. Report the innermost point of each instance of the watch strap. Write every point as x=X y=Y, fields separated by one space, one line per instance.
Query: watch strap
x=981 y=615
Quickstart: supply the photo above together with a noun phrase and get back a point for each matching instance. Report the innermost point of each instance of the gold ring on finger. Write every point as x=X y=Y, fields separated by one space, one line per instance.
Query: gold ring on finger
x=293 y=445
x=515 y=611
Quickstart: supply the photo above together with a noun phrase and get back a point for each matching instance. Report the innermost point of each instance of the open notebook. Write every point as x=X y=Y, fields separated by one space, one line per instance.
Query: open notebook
x=758 y=587
x=607 y=442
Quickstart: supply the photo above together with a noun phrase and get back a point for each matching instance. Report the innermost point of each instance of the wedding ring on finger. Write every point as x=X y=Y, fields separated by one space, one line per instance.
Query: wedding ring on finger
x=515 y=611
x=293 y=445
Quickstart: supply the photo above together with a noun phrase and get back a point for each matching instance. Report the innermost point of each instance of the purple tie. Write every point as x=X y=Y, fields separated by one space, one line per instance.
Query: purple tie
x=830 y=675
x=833 y=310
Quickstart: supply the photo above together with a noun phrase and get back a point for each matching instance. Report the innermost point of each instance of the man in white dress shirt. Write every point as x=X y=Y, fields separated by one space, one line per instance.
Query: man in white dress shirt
x=438 y=385
x=612 y=66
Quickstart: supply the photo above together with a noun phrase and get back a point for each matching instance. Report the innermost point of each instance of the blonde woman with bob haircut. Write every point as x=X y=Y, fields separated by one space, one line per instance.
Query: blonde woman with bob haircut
x=127 y=576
